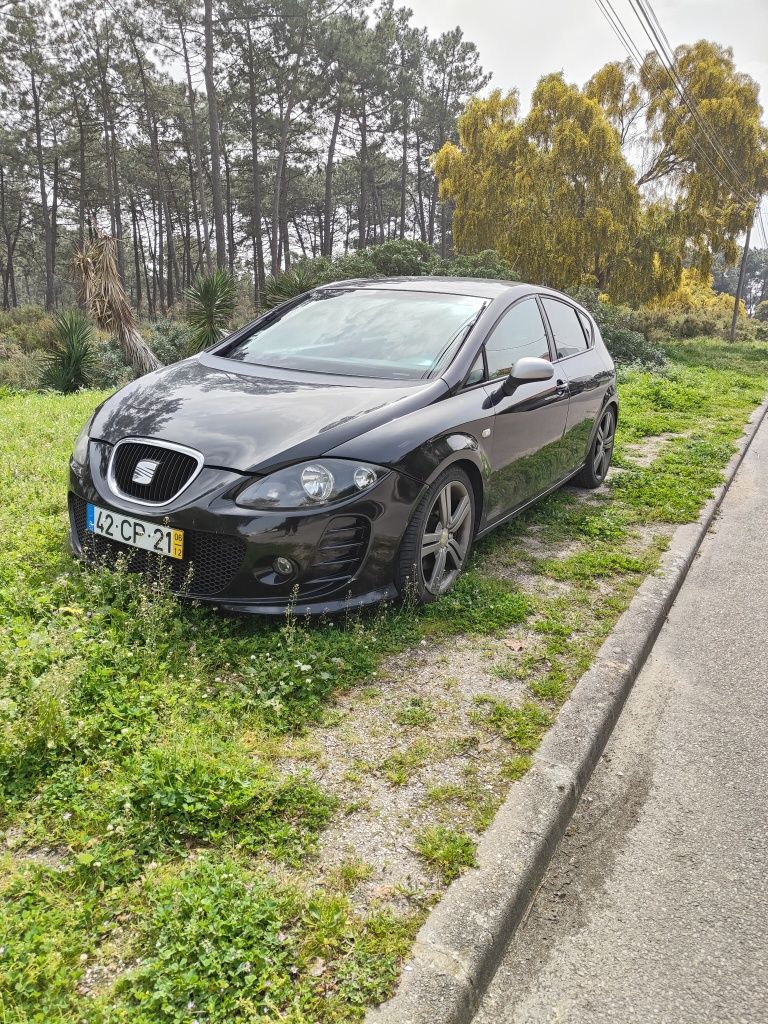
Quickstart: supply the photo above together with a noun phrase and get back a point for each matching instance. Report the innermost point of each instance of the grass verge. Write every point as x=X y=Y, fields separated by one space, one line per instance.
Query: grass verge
x=160 y=856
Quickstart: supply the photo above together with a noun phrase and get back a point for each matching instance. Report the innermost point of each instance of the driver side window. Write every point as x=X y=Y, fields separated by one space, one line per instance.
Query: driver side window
x=520 y=332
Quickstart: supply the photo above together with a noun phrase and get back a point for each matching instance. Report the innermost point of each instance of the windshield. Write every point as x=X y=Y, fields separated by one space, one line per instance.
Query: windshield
x=364 y=333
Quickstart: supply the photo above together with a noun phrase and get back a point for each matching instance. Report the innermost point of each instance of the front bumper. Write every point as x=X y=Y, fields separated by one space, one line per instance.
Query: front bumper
x=344 y=555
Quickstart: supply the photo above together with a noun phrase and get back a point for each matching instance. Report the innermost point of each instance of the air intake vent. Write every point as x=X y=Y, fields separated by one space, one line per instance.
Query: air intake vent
x=152 y=472
x=339 y=555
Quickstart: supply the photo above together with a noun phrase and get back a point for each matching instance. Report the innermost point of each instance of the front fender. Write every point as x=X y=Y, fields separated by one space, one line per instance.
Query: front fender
x=422 y=444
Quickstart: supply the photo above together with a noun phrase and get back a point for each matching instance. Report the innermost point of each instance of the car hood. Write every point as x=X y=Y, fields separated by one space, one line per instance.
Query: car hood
x=254 y=418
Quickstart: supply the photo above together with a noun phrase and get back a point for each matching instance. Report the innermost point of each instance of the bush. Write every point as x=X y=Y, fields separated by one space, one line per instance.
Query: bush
x=695 y=310
x=761 y=313
x=170 y=340
x=27 y=328
x=72 y=363
x=482 y=264
x=110 y=370
x=391 y=259
x=620 y=327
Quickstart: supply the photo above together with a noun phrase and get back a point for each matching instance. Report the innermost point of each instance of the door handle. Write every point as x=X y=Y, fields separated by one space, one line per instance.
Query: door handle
x=561 y=387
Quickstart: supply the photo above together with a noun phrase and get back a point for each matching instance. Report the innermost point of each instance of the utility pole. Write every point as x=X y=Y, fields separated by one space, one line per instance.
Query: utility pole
x=742 y=275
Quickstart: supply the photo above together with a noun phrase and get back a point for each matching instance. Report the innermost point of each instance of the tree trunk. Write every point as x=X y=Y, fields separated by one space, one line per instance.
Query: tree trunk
x=195 y=210
x=403 y=173
x=54 y=212
x=118 y=203
x=50 y=292
x=214 y=132
x=230 y=216
x=432 y=211
x=110 y=155
x=258 y=245
x=420 y=192
x=81 y=175
x=361 y=230
x=285 y=131
x=202 y=201
x=327 y=233
x=136 y=264
x=150 y=296
x=284 y=241
x=11 y=238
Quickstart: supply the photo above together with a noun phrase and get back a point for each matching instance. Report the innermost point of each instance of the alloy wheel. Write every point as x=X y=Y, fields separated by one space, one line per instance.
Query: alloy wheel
x=603 y=445
x=447 y=536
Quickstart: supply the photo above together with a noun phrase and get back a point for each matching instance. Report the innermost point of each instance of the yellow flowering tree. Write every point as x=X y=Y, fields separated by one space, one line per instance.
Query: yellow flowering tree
x=551 y=191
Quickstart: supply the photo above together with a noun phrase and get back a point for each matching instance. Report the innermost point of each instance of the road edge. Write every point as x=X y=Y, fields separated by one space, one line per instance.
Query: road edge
x=460 y=945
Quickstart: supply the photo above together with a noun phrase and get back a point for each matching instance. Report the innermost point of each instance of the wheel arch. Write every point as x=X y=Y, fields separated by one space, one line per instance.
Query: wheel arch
x=478 y=487
x=476 y=468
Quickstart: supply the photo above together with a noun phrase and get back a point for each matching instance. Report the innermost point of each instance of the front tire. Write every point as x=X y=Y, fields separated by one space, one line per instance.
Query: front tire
x=595 y=469
x=436 y=545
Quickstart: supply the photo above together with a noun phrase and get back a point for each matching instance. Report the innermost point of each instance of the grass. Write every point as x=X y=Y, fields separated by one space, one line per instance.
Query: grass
x=447 y=850
x=151 y=828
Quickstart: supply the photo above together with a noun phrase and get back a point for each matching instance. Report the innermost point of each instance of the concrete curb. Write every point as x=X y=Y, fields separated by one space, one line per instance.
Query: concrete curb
x=459 y=947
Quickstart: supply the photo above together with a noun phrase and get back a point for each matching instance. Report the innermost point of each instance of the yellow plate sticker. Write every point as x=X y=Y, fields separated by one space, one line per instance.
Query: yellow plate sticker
x=177 y=543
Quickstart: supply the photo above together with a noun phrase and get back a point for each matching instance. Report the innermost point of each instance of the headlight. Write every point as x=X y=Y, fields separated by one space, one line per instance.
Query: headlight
x=311 y=484
x=80 y=451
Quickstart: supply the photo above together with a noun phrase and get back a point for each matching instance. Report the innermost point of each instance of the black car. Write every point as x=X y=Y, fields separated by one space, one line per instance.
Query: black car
x=347 y=446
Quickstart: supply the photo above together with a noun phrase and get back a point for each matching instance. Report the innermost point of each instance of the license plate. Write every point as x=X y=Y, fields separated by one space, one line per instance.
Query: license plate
x=137 y=532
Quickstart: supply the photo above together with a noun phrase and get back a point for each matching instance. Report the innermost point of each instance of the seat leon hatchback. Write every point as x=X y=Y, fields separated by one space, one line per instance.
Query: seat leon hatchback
x=348 y=446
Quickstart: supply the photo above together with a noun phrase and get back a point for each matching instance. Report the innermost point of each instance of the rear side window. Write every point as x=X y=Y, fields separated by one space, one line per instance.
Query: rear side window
x=520 y=332
x=566 y=328
x=587 y=325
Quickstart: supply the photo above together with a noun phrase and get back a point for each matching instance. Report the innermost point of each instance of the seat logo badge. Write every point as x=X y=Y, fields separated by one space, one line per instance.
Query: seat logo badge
x=145 y=471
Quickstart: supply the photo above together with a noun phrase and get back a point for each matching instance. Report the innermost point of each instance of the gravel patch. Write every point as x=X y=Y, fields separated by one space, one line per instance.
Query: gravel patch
x=409 y=752
x=643 y=453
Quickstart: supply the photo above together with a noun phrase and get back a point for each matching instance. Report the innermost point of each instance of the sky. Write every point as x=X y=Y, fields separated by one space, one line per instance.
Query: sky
x=520 y=40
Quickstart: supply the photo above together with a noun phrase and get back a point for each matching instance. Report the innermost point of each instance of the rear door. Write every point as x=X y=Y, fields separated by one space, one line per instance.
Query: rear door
x=527 y=451
x=577 y=361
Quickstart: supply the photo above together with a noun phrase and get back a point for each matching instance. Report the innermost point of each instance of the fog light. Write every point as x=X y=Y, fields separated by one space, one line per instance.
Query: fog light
x=283 y=566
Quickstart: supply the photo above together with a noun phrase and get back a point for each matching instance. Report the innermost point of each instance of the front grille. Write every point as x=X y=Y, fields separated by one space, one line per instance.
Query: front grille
x=339 y=555
x=211 y=561
x=174 y=471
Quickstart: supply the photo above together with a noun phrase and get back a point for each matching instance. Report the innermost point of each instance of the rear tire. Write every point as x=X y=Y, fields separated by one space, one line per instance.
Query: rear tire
x=594 y=471
x=437 y=543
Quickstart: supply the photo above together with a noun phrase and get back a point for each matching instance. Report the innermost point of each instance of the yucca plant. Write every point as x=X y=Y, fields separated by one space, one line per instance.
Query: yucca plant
x=72 y=362
x=212 y=302
x=289 y=283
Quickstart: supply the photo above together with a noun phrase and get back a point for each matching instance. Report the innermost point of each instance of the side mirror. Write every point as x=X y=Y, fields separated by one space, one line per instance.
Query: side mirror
x=525 y=370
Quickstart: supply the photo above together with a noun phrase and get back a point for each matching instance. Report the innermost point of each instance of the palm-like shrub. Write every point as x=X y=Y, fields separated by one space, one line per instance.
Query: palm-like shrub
x=72 y=362
x=212 y=302
x=290 y=283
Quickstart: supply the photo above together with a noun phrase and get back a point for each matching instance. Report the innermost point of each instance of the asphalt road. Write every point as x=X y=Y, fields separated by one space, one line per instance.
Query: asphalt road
x=655 y=907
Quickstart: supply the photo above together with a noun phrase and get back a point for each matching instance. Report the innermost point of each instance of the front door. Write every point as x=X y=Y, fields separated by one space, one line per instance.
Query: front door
x=528 y=454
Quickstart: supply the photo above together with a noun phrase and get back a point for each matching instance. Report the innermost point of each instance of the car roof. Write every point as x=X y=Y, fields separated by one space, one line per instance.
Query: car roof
x=482 y=287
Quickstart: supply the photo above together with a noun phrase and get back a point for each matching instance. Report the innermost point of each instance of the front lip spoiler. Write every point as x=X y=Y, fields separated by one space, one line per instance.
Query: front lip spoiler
x=312 y=608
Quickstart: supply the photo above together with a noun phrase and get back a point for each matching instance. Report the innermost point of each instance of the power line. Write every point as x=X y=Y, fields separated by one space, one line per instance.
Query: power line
x=667 y=59
x=636 y=58
x=659 y=41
